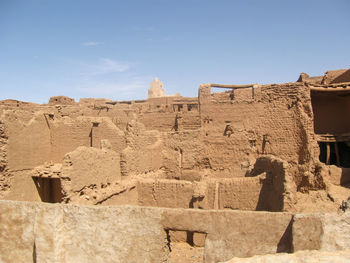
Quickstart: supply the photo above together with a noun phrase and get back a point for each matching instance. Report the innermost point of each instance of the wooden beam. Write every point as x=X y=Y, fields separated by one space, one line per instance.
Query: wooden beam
x=328 y=153
x=224 y=86
x=326 y=89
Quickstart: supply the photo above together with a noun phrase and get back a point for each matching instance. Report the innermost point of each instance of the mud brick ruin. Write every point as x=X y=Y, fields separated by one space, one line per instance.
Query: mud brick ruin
x=179 y=179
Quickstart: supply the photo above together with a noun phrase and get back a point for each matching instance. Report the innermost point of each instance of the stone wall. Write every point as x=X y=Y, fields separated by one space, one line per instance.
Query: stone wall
x=326 y=232
x=298 y=257
x=37 y=232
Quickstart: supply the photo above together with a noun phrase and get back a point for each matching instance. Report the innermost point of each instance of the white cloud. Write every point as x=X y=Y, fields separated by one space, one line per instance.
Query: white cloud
x=91 y=43
x=105 y=66
x=106 y=77
x=118 y=91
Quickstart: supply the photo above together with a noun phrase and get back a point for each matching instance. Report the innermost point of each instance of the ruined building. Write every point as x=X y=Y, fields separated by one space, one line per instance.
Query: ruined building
x=274 y=148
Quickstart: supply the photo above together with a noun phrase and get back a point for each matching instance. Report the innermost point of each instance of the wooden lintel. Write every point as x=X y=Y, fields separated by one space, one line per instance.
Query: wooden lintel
x=224 y=86
x=326 y=89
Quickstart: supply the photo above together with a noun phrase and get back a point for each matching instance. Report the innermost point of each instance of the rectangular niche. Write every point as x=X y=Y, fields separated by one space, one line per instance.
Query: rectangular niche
x=186 y=246
x=49 y=189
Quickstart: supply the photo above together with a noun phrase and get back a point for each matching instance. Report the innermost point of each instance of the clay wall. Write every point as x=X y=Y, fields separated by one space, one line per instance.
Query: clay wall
x=269 y=119
x=69 y=133
x=171 y=114
x=176 y=138
x=242 y=194
x=249 y=193
x=143 y=152
x=151 y=150
x=165 y=193
x=28 y=142
x=35 y=138
x=161 y=121
x=21 y=187
x=183 y=152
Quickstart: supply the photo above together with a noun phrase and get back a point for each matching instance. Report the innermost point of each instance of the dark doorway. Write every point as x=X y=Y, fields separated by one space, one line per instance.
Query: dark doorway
x=49 y=189
x=335 y=153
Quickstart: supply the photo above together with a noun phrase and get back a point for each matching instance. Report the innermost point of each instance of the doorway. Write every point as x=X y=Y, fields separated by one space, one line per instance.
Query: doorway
x=49 y=189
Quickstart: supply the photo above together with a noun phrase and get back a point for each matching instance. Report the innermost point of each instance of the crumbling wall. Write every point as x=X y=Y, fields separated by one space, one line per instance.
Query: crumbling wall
x=4 y=177
x=87 y=172
x=182 y=153
x=213 y=142
x=279 y=188
x=273 y=119
x=28 y=143
x=69 y=133
x=161 y=121
x=170 y=119
x=38 y=137
x=61 y=100
x=143 y=152
x=246 y=193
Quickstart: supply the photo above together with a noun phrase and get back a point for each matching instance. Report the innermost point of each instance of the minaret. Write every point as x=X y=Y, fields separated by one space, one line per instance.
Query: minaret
x=156 y=89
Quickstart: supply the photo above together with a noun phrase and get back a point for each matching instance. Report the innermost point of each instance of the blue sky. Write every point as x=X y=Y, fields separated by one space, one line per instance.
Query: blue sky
x=113 y=49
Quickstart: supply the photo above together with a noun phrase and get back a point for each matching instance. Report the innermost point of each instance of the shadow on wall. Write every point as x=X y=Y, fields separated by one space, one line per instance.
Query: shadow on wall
x=272 y=174
x=285 y=245
x=49 y=189
x=345 y=177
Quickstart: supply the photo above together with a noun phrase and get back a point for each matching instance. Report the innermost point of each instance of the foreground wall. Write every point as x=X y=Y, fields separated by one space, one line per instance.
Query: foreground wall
x=299 y=257
x=37 y=232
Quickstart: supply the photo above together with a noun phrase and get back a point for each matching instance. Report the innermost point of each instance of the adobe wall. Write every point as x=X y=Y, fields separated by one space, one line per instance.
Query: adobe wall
x=34 y=137
x=218 y=136
x=67 y=134
x=269 y=187
x=273 y=119
x=28 y=142
x=268 y=119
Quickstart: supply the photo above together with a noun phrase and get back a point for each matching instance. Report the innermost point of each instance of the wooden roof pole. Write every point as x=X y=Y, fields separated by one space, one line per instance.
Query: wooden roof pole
x=329 y=89
x=224 y=86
